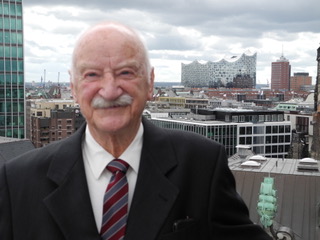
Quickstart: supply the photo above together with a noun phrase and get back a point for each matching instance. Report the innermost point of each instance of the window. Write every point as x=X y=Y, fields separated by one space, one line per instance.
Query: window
x=281 y=129
x=234 y=118
x=275 y=129
x=268 y=129
x=287 y=128
x=274 y=149
x=261 y=118
x=287 y=138
x=274 y=139
x=281 y=138
x=274 y=118
x=258 y=150
x=268 y=149
x=268 y=139
x=258 y=140
x=258 y=130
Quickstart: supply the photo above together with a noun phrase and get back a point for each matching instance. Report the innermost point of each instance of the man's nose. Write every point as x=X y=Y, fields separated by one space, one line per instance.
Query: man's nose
x=109 y=87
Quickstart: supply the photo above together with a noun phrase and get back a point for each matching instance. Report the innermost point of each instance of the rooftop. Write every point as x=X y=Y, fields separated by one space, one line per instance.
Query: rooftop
x=298 y=195
x=11 y=147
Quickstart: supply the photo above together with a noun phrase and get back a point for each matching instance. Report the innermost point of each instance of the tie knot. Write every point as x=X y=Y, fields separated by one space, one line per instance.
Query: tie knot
x=118 y=165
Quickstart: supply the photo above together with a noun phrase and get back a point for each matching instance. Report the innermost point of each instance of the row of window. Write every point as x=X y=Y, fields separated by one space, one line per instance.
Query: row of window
x=11 y=52
x=15 y=93
x=264 y=129
x=11 y=24
x=271 y=149
x=11 y=66
x=11 y=121
x=221 y=130
x=11 y=8
x=11 y=79
x=265 y=139
x=256 y=118
x=14 y=107
x=11 y=37
x=12 y=132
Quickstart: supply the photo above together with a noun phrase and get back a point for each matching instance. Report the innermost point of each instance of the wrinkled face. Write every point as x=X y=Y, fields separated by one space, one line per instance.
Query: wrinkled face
x=110 y=80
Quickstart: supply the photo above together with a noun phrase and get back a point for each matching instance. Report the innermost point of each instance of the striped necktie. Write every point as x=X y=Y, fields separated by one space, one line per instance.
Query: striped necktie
x=115 y=202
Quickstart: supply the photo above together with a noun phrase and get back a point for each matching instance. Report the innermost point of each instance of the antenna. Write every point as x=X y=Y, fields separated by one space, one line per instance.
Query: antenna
x=44 y=78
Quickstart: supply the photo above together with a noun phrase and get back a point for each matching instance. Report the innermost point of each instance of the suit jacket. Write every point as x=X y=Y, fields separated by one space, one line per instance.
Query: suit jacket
x=184 y=190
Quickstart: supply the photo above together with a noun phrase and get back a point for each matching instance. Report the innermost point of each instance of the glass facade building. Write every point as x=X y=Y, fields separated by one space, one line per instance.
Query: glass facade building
x=270 y=138
x=198 y=74
x=12 y=102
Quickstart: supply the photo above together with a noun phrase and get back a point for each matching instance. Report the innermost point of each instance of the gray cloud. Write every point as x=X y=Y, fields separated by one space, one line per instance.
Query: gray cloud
x=185 y=30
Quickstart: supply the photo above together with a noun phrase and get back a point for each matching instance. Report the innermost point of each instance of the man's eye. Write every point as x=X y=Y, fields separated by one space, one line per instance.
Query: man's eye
x=126 y=72
x=92 y=74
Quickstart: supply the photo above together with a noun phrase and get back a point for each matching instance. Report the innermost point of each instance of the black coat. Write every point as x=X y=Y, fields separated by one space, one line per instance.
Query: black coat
x=184 y=190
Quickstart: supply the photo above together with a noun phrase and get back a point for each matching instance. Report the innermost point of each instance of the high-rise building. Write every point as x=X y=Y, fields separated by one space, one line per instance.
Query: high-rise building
x=315 y=150
x=300 y=79
x=211 y=74
x=12 y=104
x=280 y=74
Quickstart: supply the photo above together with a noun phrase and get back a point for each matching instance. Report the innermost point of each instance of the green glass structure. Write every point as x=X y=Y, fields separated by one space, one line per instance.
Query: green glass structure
x=12 y=102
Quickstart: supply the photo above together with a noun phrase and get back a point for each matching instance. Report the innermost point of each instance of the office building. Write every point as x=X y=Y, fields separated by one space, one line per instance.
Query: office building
x=217 y=74
x=280 y=74
x=300 y=79
x=266 y=132
x=12 y=105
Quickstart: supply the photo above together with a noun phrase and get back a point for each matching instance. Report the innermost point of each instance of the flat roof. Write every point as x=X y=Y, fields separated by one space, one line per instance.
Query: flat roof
x=275 y=165
x=297 y=193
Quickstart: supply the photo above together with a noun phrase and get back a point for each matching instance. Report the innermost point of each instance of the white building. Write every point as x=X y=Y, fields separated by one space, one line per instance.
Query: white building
x=197 y=74
x=265 y=131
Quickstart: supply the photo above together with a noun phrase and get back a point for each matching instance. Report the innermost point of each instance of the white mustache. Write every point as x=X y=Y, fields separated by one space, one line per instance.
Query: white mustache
x=100 y=102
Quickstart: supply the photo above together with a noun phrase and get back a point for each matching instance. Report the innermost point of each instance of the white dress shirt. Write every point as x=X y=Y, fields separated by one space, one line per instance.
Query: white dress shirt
x=95 y=161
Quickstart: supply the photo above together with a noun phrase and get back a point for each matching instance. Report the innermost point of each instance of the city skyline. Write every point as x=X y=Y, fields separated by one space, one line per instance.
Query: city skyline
x=177 y=32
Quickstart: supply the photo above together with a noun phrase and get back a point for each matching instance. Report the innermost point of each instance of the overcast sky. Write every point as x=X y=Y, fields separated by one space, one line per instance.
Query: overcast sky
x=177 y=31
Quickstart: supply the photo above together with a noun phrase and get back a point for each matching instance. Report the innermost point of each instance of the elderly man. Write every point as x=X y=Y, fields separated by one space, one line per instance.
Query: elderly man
x=120 y=177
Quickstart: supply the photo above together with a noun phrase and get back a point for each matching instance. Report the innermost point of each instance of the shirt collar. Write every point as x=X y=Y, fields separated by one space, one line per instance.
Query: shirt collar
x=98 y=158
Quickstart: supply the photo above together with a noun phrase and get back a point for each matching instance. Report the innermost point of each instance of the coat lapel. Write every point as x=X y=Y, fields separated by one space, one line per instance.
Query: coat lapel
x=70 y=204
x=154 y=194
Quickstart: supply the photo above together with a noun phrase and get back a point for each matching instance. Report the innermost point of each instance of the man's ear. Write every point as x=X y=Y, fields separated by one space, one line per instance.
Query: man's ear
x=73 y=87
x=151 y=84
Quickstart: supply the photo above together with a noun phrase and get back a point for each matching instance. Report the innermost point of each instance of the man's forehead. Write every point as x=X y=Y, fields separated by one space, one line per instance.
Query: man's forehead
x=115 y=64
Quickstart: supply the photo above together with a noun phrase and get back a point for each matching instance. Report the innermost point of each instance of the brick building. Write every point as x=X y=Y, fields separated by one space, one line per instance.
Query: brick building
x=280 y=74
x=300 y=79
x=51 y=120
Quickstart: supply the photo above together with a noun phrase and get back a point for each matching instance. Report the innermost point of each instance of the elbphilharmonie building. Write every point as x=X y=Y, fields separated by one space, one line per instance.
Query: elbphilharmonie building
x=198 y=74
